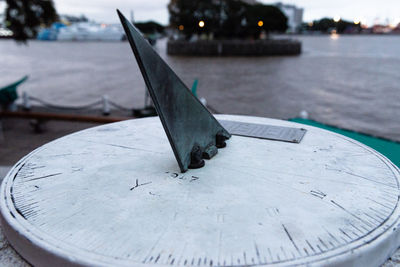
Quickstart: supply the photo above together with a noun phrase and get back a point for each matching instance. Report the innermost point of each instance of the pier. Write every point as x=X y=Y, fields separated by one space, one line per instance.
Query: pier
x=235 y=48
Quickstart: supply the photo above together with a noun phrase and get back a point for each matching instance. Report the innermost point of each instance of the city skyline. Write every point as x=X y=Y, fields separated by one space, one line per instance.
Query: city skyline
x=368 y=12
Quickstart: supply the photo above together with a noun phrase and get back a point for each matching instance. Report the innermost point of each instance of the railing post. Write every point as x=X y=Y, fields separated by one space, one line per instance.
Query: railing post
x=26 y=101
x=106 y=105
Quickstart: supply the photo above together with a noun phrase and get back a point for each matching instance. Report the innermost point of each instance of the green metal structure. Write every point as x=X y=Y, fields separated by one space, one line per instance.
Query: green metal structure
x=193 y=132
x=8 y=94
x=388 y=148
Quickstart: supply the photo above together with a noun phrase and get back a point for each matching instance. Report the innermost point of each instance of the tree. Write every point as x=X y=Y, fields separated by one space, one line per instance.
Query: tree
x=187 y=14
x=265 y=17
x=23 y=17
x=347 y=27
x=225 y=19
x=234 y=20
x=150 y=27
x=326 y=25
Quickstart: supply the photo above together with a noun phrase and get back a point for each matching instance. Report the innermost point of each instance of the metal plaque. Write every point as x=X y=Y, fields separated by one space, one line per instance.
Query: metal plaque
x=264 y=131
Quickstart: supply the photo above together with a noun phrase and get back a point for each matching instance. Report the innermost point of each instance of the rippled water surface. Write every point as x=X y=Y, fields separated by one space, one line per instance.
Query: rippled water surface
x=352 y=82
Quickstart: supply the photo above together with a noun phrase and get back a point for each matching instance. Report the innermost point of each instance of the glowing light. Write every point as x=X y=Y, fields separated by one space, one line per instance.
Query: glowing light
x=357 y=21
x=201 y=24
x=334 y=35
x=337 y=18
x=181 y=27
x=395 y=23
x=363 y=22
x=5 y=32
x=260 y=23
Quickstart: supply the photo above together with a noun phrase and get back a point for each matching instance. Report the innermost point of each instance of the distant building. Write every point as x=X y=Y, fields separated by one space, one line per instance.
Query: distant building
x=1 y=19
x=69 y=19
x=294 y=15
x=397 y=29
x=381 y=29
x=4 y=32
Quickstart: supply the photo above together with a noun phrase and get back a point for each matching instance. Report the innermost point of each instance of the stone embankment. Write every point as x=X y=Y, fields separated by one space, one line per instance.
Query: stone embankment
x=234 y=48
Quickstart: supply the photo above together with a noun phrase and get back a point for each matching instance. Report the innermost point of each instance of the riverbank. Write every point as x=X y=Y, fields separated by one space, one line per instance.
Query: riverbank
x=350 y=82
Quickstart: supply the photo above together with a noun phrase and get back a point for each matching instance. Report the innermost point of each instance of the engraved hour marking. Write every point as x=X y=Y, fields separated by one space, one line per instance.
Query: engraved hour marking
x=352 y=214
x=358 y=229
x=137 y=184
x=308 y=243
x=373 y=218
x=378 y=212
x=270 y=254
x=343 y=232
x=383 y=205
x=318 y=194
x=291 y=239
x=323 y=243
x=257 y=252
x=272 y=212
x=42 y=177
x=333 y=237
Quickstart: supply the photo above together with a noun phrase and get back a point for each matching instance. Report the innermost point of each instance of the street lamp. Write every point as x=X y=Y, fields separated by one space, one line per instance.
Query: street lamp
x=201 y=24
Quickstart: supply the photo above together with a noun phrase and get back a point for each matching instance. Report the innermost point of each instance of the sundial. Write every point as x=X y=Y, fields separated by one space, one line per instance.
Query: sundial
x=279 y=193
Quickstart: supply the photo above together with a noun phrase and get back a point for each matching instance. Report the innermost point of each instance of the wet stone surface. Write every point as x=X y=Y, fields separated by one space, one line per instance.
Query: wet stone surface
x=8 y=256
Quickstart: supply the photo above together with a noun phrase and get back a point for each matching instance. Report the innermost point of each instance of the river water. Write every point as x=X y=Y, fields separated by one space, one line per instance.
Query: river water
x=351 y=81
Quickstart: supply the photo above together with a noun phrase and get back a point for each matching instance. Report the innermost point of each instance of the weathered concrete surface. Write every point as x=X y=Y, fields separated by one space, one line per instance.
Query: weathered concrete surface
x=19 y=138
x=394 y=260
x=8 y=256
x=16 y=140
x=318 y=181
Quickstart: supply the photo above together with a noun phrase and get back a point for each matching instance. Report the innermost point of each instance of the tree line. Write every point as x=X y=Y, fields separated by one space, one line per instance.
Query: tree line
x=326 y=25
x=23 y=17
x=225 y=19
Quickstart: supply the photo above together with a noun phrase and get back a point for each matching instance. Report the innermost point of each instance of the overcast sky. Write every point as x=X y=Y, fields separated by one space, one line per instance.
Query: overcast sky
x=370 y=11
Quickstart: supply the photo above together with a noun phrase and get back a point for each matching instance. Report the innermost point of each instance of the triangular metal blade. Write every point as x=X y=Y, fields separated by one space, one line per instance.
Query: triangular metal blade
x=191 y=129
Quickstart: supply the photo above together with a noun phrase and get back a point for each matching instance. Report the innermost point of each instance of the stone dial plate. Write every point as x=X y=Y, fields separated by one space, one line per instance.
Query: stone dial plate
x=113 y=195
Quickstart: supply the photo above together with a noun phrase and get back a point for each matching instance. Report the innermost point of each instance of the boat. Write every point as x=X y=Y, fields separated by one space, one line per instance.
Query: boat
x=50 y=34
x=5 y=33
x=88 y=31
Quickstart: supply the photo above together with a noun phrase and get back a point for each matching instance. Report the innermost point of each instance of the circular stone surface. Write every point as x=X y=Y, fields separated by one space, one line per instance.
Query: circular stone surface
x=113 y=195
